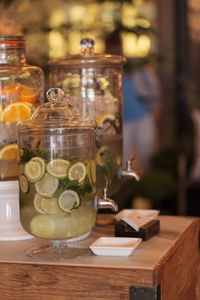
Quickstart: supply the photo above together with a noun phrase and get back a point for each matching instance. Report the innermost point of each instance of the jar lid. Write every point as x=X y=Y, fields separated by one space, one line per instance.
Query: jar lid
x=87 y=58
x=11 y=42
x=57 y=113
x=11 y=38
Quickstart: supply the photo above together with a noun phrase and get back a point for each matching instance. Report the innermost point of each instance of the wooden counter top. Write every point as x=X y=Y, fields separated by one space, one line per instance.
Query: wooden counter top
x=146 y=256
x=172 y=254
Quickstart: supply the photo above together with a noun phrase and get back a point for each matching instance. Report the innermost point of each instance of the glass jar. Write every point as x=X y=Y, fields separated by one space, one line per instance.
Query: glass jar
x=57 y=174
x=21 y=90
x=93 y=83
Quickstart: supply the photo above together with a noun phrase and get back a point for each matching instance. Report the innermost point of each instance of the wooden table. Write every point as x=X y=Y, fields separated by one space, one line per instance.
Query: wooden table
x=165 y=267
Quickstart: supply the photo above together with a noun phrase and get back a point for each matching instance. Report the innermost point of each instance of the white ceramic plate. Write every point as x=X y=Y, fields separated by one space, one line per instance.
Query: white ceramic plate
x=114 y=246
x=149 y=213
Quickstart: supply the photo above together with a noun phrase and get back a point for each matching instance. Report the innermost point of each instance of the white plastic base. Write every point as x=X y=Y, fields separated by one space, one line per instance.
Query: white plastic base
x=10 y=226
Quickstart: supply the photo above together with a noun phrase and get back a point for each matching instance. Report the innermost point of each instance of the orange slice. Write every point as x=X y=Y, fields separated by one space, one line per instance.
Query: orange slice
x=9 y=152
x=29 y=104
x=28 y=94
x=15 y=112
x=12 y=88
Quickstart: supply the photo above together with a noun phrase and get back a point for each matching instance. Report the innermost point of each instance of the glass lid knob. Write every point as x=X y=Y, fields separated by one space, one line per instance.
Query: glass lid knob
x=55 y=95
x=87 y=47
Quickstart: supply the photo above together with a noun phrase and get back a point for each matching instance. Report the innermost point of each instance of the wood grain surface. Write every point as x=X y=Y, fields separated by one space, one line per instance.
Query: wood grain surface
x=171 y=259
x=180 y=265
x=48 y=282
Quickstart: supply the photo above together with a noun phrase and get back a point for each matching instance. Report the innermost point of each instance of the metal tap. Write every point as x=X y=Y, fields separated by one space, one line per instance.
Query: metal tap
x=128 y=172
x=105 y=202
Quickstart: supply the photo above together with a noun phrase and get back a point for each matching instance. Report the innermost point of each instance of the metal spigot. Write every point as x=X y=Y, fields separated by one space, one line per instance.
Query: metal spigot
x=128 y=172
x=105 y=202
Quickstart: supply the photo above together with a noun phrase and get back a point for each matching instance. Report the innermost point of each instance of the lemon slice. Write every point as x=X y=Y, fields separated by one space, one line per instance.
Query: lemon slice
x=33 y=171
x=105 y=118
x=68 y=201
x=100 y=156
x=47 y=185
x=92 y=171
x=77 y=171
x=50 y=206
x=37 y=203
x=42 y=226
x=58 y=168
x=41 y=162
x=23 y=184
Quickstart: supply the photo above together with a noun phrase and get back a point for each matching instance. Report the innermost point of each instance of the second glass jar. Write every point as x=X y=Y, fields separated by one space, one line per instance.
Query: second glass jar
x=93 y=83
x=21 y=91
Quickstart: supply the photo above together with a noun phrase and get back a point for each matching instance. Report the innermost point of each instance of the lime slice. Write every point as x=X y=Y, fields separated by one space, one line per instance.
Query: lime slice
x=58 y=168
x=68 y=201
x=100 y=156
x=42 y=226
x=37 y=203
x=77 y=171
x=23 y=184
x=92 y=171
x=50 y=206
x=33 y=171
x=47 y=185
x=105 y=118
x=41 y=162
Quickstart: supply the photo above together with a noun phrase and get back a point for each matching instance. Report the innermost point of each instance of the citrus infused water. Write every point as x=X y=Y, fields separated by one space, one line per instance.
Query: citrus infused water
x=108 y=162
x=106 y=110
x=108 y=150
x=56 y=196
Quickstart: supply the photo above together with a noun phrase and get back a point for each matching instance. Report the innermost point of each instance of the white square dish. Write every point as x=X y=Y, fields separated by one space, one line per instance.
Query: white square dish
x=114 y=246
x=149 y=213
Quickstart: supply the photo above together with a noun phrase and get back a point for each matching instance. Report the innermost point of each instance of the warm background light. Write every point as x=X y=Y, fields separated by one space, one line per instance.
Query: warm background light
x=59 y=25
x=134 y=46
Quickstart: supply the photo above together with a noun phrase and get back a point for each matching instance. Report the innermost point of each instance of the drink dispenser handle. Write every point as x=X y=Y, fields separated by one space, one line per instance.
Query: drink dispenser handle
x=128 y=172
x=87 y=47
x=105 y=202
x=55 y=95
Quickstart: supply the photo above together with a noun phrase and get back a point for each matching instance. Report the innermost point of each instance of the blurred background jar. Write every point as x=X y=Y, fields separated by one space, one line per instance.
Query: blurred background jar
x=21 y=91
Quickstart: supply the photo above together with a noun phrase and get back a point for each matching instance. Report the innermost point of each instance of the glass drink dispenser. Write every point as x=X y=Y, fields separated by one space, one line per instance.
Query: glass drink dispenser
x=93 y=82
x=21 y=91
x=58 y=200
